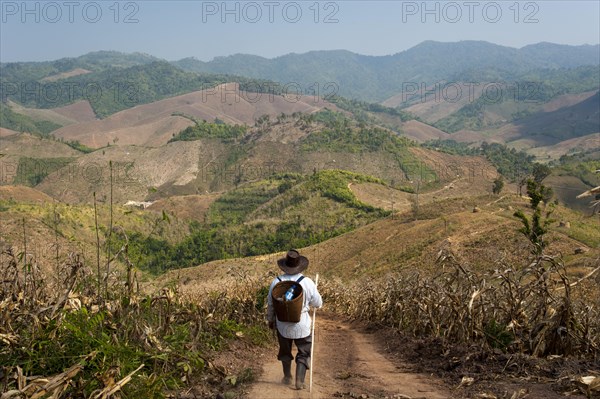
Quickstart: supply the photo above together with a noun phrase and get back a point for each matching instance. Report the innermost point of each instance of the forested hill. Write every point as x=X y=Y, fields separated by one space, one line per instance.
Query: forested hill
x=376 y=78
x=110 y=81
x=139 y=78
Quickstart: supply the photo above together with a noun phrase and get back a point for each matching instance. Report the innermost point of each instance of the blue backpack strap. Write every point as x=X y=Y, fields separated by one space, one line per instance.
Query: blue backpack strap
x=278 y=279
x=300 y=279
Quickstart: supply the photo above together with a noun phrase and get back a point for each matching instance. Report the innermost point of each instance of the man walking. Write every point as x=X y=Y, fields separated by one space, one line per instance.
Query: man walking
x=289 y=332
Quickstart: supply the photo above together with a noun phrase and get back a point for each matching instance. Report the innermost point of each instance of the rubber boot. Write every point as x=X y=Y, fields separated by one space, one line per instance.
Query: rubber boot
x=300 y=374
x=287 y=373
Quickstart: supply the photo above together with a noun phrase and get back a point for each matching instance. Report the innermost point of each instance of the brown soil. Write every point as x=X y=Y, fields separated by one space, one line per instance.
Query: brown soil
x=422 y=132
x=23 y=194
x=26 y=145
x=494 y=375
x=136 y=170
x=40 y=114
x=348 y=363
x=4 y=132
x=354 y=361
x=382 y=196
x=80 y=111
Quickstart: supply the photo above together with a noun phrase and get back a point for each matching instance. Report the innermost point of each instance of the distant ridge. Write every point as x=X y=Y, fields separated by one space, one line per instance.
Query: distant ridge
x=376 y=78
x=530 y=115
x=369 y=78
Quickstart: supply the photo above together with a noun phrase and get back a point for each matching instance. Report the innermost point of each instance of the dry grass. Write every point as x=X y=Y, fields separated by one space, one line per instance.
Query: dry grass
x=153 y=124
x=69 y=337
x=533 y=310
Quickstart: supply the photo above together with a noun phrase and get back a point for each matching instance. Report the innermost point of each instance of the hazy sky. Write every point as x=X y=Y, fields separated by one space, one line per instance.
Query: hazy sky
x=48 y=30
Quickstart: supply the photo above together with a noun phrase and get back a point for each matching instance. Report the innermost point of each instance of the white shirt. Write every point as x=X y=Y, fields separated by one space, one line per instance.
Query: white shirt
x=312 y=298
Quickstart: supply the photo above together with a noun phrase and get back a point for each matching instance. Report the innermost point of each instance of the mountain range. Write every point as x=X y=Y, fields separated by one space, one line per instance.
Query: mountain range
x=548 y=93
x=369 y=78
x=375 y=78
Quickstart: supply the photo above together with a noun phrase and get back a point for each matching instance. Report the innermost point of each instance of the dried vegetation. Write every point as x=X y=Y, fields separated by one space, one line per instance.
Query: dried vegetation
x=531 y=312
x=66 y=336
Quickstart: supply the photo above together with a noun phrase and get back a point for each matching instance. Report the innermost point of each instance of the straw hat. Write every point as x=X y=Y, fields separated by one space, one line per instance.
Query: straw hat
x=293 y=263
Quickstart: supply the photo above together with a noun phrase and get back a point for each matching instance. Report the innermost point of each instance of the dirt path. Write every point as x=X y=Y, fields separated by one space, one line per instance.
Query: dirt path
x=348 y=365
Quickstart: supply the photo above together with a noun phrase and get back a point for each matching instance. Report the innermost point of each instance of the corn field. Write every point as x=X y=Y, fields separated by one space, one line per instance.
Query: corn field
x=70 y=337
x=533 y=310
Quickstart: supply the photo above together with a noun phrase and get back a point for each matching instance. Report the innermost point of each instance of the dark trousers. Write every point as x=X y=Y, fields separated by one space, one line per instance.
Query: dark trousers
x=285 y=349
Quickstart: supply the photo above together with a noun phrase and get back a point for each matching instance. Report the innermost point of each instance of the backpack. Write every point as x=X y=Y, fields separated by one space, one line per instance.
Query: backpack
x=289 y=311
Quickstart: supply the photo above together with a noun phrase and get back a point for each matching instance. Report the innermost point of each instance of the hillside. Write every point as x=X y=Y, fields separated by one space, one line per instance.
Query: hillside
x=185 y=207
x=257 y=217
x=479 y=240
x=65 y=75
x=114 y=84
x=412 y=237
x=156 y=123
x=94 y=61
x=571 y=146
x=202 y=159
x=208 y=162
x=48 y=228
x=27 y=145
x=22 y=194
x=567 y=188
x=548 y=128
x=378 y=78
x=549 y=93
x=439 y=103
x=67 y=115
x=137 y=171
x=385 y=272
x=232 y=196
x=4 y=132
x=357 y=76
x=27 y=159
x=566 y=123
x=422 y=132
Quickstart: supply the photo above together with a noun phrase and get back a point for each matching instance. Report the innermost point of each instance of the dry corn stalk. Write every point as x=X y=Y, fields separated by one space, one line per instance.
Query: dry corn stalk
x=529 y=310
x=41 y=387
x=113 y=388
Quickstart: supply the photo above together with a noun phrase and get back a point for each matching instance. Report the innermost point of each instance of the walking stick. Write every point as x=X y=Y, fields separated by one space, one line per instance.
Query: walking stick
x=312 y=347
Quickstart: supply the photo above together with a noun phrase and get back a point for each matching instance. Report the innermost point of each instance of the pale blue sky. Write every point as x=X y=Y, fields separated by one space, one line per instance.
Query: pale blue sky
x=47 y=30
